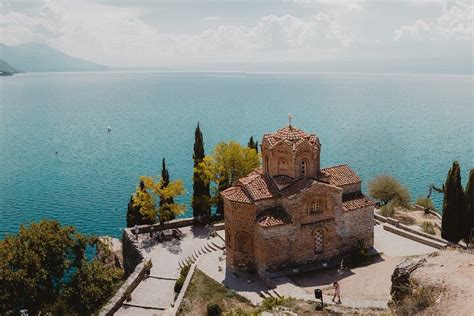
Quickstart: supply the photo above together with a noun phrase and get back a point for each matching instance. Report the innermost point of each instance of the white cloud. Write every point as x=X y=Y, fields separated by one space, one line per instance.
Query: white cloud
x=118 y=36
x=456 y=22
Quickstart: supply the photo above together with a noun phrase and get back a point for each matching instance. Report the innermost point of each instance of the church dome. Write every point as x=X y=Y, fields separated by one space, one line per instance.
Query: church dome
x=291 y=134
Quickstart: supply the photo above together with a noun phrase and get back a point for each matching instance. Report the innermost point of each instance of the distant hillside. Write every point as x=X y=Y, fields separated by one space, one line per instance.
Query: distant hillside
x=5 y=67
x=32 y=57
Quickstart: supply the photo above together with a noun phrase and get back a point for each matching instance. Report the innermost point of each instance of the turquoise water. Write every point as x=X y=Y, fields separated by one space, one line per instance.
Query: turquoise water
x=409 y=126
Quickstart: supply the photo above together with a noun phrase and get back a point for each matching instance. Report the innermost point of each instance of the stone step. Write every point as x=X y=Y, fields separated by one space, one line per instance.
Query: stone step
x=211 y=247
x=263 y=294
x=218 y=246
x=275 y=293
x=414 y=237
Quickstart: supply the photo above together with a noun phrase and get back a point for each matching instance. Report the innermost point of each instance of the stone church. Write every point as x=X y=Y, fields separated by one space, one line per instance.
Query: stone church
x=291 y=211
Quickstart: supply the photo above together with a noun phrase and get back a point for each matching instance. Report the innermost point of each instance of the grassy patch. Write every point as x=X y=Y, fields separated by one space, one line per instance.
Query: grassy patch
x=428 y=227
x=203 y=290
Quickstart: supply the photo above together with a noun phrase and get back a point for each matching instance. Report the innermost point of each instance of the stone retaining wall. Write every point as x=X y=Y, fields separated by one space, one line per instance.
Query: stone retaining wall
x=414 y=237
x=127 y=288
x=179 y=299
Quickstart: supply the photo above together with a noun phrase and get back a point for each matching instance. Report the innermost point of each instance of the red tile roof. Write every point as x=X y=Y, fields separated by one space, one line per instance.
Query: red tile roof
x=355 y=201
x=341 y=175
x=236 y=194
x=254 y=187
x=292 y=136
x=258 y=186
x=273 y=217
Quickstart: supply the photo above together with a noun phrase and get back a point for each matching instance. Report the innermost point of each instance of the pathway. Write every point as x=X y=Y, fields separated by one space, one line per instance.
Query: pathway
x=155 y=294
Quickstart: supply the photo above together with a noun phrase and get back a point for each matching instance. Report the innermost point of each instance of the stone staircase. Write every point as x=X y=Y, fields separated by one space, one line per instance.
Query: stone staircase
x=269 y=293
x=212 y=246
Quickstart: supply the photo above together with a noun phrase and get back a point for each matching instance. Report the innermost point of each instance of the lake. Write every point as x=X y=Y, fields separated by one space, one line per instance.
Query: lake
x=409 y=126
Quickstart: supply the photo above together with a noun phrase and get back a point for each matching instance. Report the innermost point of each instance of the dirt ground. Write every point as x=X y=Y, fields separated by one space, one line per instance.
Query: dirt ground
x=452 y=271
x=371 y=282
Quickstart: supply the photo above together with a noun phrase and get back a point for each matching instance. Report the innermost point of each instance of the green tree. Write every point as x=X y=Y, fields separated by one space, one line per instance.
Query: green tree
x=35 y=262
x=91 y=285
x=229 y=162
x=387 y=189
x=201 y=200
x=167 y=209
x=453 y=206
x=141 y=208
x=469 y=198
x=252 y=144
x=165 y=180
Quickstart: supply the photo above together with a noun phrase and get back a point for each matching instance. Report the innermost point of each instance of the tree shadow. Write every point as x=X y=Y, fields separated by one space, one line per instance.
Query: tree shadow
x=173 y=245
x=200 y=231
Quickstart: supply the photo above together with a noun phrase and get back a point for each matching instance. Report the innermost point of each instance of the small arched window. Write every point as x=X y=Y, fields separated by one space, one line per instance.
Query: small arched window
x=282 y=166
x=318 y=241
x=303 y=168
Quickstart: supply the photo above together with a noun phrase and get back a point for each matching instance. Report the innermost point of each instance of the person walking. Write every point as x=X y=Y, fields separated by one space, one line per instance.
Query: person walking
x=337 y=292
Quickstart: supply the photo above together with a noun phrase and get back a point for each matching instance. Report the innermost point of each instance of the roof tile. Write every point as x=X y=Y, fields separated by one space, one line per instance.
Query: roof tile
x=341 y=175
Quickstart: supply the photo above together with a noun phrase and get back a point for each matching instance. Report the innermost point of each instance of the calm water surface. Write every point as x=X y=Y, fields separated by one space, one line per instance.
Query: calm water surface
x=409 y=126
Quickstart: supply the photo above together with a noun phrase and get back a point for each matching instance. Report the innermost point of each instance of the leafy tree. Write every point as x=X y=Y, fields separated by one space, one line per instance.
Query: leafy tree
x=141 y=208
x=35 y=262
x=228 y=163
x=453 y=206
x=91 y=285
x=469 y=198
x=167 y=208
x=387 y=189
x=201 y=200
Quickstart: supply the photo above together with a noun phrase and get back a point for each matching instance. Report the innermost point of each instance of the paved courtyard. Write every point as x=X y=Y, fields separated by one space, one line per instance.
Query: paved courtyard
x=362 y=287
x=155 y=294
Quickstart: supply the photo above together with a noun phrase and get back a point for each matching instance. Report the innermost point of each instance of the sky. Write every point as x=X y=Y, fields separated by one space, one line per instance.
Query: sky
x=164 y=33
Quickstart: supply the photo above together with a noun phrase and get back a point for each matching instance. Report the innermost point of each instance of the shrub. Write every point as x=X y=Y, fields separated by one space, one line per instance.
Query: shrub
x=428 y=227
x=387 y=189
x=182 y=276
x=388 y=210
x=179 y=284
x=185 y=270
x=213 y=310
x=271 y=302
x=360 y=254
x=230 y=293
x=426 y=203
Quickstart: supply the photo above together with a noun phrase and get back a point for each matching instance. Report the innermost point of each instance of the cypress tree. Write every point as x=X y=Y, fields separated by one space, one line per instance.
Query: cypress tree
x=469 y=214
x=165 y=178
x=134 y=216
x=452 y=228
x=201 y=190
x=253 y=144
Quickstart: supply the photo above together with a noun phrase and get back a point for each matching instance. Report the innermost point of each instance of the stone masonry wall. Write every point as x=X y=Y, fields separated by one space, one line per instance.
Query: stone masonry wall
x=354 y=225
x=239 y=225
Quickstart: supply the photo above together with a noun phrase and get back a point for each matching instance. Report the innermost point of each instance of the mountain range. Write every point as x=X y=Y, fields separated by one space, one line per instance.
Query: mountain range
x=33 y=57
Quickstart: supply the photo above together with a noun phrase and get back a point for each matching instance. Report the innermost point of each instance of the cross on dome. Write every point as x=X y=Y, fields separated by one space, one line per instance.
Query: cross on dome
x=290 y=117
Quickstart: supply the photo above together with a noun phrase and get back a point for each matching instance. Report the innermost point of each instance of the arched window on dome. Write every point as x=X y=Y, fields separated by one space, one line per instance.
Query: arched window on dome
x=282 y=167
x=303 y=168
